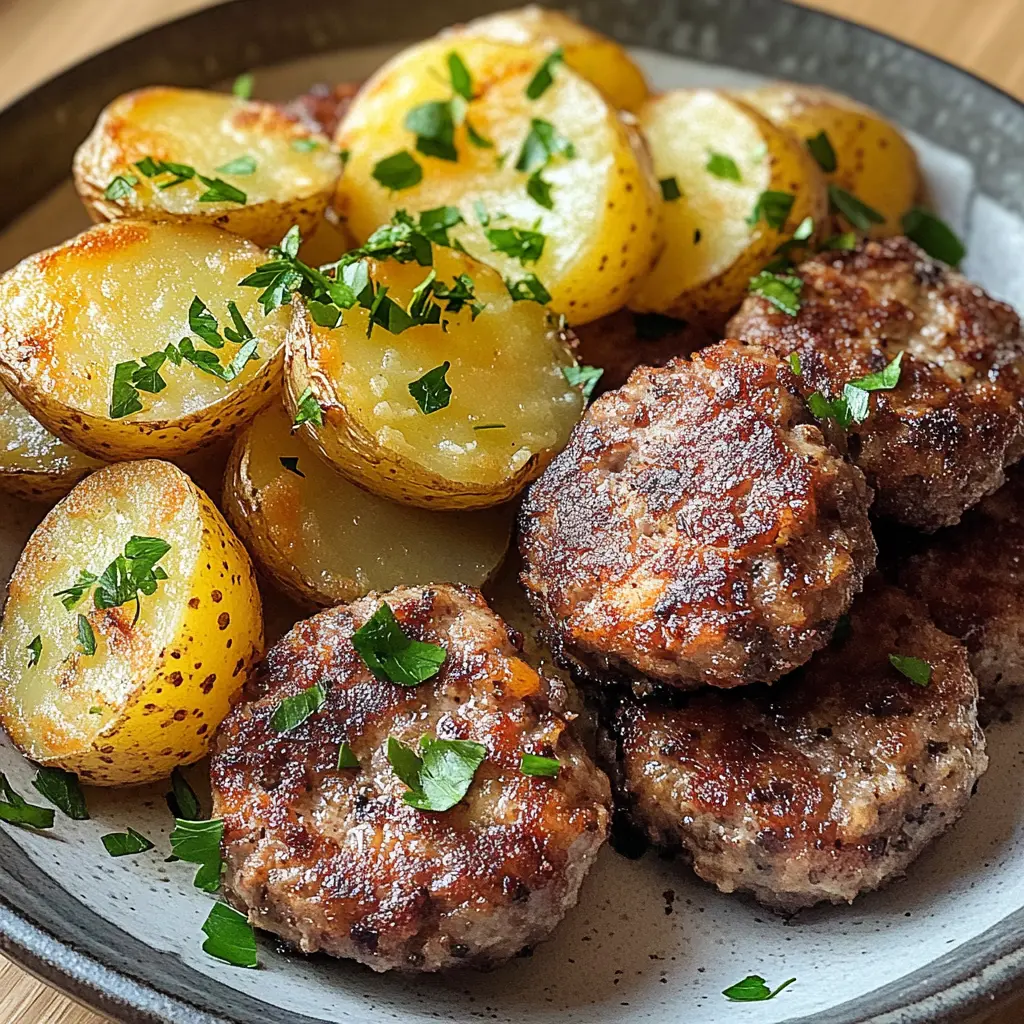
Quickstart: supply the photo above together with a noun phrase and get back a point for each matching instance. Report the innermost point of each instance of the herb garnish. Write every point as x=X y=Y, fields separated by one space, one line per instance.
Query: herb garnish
x=291 y=463
x=121 y=187
x=15 y=810
x=722 y=166
x=461 y=79
x=240 y=165
x=820 y=147
x=308 y=410
x=86 y=637
x=125 y=844
x=773 y=208
x=229 y=937
x=918 y=671
x=853 y=405
x=544 y=767
x=305 y=145
x=539 y=190
x=794 y=363
x=781 y=290
x=934 y=235
x=528 y=289
x=753 y=990
x=846 y=242
x=398 y=171
x=858 y=213
x=217 y=190
x=294 y=710
x=440 y=775
x=182 y=800
x=346 y=756
x=670 y=191
x=543 y=77
x=198 y=842
x=543 y=142
x=61 y=788
x=431 y=391
x=35 y=651
x=584 y=377
x=391 y=655
x=243 y=84
x=521 y=244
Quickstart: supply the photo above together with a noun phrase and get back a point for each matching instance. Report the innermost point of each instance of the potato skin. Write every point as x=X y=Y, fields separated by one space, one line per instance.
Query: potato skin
x=873 y=160
x=181 y=689
x=118 y=140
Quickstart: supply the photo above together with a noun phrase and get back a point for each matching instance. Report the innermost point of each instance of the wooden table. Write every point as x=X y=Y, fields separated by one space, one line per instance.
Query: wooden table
x=39 y=39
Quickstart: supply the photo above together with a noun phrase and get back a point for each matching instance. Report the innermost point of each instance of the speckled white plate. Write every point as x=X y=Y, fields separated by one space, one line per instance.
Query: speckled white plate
x=648 y=942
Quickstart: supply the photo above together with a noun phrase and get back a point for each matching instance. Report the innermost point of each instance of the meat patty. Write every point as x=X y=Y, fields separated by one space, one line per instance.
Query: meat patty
x=323 y=107
x=334 y=860
x=824 y=786
x=697 y=528
x=939 y=441
x=971 y=577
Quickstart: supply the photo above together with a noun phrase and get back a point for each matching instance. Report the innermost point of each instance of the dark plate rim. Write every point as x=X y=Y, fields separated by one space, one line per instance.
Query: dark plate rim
x=982 y=974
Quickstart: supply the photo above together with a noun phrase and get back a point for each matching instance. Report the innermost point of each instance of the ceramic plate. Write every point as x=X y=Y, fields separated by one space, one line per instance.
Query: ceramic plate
x=647 y=942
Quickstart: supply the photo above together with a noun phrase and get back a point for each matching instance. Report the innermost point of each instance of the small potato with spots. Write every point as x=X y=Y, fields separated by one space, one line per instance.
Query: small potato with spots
x=550 y=183
x=873 y=161
x=34 y=464
x=131 y=623
x=272 y=171
x=91 y=339
x=744 y=187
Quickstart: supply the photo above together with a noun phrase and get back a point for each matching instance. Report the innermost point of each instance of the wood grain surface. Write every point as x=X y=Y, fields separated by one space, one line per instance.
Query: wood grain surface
x=40 y=37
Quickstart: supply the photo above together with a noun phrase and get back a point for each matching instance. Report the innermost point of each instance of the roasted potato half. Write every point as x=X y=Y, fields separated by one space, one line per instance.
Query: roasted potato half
x=324 y=540
x=34 y=464
x=265 y=171
x=558 y=186
x=600 y=60
x=873 y=161
x=722 y=157
x=132 y=620
x=510 y=407
x=80 y=322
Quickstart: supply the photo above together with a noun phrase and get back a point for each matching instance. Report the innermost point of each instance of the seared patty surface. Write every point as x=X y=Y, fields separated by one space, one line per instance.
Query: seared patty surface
x=824 y=786
x=939 y=441
x=333 y=860
x=697 y=528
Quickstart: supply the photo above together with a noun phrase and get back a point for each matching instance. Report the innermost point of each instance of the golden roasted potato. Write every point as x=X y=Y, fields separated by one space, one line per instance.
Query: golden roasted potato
x=744 y=187
x=131 y=622
x=558 y=187
x=873 y=161
x=80 y=322
x=324 y=540
x=600 y=60
x=511 y=407
x=265 y=171
x=34 y=464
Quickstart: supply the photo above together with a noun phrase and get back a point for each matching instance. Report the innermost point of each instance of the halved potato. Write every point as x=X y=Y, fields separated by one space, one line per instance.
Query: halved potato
x=117 y=293
x=324 y=540
x=602 y=231
x=597 y=58
x=286 y=174
x=874 y=161
x=511 y=407
x=713 y=245
x=34 y=464
x=161 y=673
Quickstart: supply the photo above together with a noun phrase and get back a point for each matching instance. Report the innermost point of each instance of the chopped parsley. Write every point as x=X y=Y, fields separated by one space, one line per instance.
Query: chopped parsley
x=584 y=377
x=431 y=391
x=217 y=190
x=308 y=410
x=198 y=842
x=853 y=405
x=398 y=171
x=393 y=656
x=240 y=165
x=846 y=242
x=220 y=191
x=722 y=166
x=305 y=145
x=61 y=788
x=753 y=990
x=346 y=756
x=291 y=463
x=670 y=191
x=292 y=711
x=781 y=290
x=440 y=775
x=125 y=844
x=918 y=671
x=229 y=937
x=182 y=800
x=543 y=77
x=35 y=651
x=773 y=208
x=935 y=236
x=539 y=190
x=433 y=124
x=794 y=363
x=858 y=213
x=243 y=85
x=543 y=142
x=520 y=244
x=528 y=289
x=15 y=810
x=461 y=79
x=86 y=637
x=121 y=187
x=545 y=767
x=820 y=147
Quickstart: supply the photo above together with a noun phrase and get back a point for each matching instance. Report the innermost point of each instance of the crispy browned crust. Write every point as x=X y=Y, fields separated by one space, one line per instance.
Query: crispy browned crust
x=336 y=861
x=323 y=107
x=827 y=785
x=697 y=528
x=939 y=442
x=971 y=577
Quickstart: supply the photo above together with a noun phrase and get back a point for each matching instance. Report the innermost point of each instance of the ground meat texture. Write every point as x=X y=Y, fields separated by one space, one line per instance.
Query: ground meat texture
x=940 y=440
x=334 y=861
x=824 y=786
x=697 y=529
x=971 y=577
x=323 y=107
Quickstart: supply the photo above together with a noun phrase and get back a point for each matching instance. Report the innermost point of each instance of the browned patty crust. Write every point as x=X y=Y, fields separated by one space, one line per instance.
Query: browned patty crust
x=824 y=786
x=940 y=440
x=697 y=528
x=334 y=860
x=971 y=577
